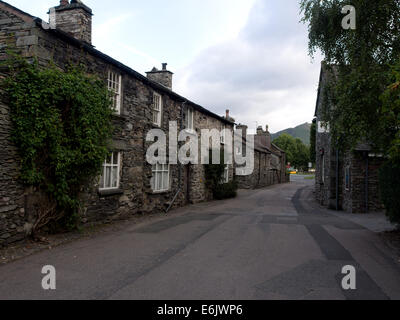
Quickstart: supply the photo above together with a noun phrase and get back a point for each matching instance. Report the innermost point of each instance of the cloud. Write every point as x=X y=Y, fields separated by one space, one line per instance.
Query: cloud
x=263 y=76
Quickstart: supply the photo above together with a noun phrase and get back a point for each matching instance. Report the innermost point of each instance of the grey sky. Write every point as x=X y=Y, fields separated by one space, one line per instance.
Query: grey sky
x=246 y=55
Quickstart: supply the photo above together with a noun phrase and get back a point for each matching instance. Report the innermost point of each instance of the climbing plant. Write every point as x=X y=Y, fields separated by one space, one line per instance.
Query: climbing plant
x=214 y=179
x=62 y=127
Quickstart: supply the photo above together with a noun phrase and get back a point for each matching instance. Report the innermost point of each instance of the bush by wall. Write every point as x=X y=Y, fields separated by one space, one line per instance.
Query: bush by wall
x=389 y=177
x=226 y=190
x=214 y=180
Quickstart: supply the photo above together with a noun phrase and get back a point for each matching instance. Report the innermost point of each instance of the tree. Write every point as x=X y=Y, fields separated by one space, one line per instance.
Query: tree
x=363 y=95
x=297 y=153
x=362 y=60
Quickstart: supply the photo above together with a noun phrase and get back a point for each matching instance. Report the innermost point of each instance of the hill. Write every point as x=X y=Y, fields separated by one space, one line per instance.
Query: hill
x=302 y=132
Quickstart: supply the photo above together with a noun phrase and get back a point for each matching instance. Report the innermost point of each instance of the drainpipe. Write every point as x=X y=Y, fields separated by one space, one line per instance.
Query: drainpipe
x=179 y=163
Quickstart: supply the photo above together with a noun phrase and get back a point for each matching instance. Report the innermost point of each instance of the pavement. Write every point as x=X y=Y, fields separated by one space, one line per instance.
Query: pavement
x=272 y=243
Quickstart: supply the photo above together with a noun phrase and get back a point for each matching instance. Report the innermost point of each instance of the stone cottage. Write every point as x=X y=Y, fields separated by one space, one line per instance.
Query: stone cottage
x=269 y=161
x=128 y=185
x=345 y=179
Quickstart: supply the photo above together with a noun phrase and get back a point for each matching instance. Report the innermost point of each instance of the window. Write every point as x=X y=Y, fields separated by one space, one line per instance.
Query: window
x=223 y=134
x=189 y=119
x=157 y=109
x=226 y=174
x=160 y=179
x=347 y=178
x=110 y=176
x=114 y=86
x=323 y=128
x=238 y=150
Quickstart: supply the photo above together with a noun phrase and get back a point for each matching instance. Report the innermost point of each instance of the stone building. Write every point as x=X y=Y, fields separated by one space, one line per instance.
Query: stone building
x=128 y=185
x=345 y=179
x=269 y=161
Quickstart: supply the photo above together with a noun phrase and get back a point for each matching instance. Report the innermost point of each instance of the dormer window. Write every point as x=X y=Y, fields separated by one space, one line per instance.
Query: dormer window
x=114 y=86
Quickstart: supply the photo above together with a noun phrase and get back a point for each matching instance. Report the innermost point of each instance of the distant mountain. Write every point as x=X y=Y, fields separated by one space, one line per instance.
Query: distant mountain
x=302 y=132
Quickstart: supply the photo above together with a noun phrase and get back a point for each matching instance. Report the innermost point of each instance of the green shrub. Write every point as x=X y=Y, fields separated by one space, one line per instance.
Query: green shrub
x=226 y=190
x=389 y=177
x=214 y=180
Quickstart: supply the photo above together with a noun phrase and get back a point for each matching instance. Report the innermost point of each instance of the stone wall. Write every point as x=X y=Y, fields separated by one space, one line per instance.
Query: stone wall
x=15 y=33
x=355 y=197
x=131 y=127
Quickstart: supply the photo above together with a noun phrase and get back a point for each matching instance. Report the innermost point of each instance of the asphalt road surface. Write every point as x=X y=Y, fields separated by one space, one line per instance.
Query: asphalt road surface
x=274 y=243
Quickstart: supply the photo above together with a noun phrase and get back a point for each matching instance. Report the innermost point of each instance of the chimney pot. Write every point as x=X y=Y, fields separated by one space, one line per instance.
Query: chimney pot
x=227 y=114
x=162 y=76
x=64 y=2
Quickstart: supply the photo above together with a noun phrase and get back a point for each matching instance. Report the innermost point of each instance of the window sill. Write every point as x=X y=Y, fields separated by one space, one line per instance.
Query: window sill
x=190 y=131
x=160 y=192
x=110 y=192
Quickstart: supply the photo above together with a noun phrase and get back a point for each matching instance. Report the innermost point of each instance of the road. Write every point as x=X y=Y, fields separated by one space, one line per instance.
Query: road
x=273 y=243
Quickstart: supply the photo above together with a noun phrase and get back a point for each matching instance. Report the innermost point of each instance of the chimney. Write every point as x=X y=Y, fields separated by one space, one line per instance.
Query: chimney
x=228 y=117
x=163 y=77
x=263 y=137
x=243 y=129
x=75 y=19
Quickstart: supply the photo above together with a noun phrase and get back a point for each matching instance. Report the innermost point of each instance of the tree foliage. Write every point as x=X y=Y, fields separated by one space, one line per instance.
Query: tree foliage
x=297 y=153
x=62 y=126
x=389 y=175
x=361 y=61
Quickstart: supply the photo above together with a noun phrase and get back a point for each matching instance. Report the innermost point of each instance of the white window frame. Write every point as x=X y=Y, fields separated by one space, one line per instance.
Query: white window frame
x=189 y=119
x=158 y=171
x=111 y=165
x=114 y=83
x=225 y=178
x=157 y=109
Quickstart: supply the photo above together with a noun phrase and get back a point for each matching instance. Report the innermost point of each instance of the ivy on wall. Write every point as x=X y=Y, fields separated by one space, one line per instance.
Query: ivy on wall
x=214 y=175
x=62 y=127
